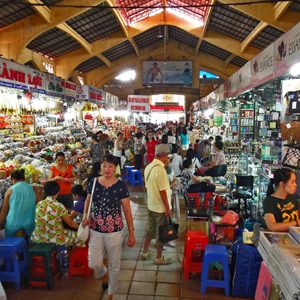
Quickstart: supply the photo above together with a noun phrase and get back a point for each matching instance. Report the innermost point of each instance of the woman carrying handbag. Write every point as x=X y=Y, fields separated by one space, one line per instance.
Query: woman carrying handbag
x=109 y=197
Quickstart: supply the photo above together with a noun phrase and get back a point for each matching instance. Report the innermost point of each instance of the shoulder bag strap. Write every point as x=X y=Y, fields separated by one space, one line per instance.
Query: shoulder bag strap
x=94 y=183
x=150 y=171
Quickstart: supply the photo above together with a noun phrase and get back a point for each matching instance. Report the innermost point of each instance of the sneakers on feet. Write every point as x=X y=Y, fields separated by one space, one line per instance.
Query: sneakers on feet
x=145 y=255
x=163 y=261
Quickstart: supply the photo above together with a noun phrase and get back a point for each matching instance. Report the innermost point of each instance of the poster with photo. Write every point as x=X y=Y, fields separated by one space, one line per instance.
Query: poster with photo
x=167 y=72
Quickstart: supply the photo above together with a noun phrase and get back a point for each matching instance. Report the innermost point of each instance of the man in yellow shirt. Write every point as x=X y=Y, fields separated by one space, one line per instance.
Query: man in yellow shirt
x=159 y=201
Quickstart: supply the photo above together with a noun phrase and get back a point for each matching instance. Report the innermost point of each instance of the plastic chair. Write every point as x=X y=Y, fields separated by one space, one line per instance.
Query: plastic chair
x=78 y=262
x=14 y=252
x=135 y=177
x=46 y=251
x=215 y=253
x=244 y=190
x=195 y=242
x=126 y=172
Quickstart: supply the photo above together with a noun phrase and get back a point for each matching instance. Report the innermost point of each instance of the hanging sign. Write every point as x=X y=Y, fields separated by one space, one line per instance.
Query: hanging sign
x=21 y=77
x=233 y=85
x=86 y=92
x=53 y=86
x=244 y=77
x=287 y=51
x=138 y=103
x=262 y=66
x=70 y=89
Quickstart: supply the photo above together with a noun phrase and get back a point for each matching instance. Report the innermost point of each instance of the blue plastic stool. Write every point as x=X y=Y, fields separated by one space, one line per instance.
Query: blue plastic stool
x=215 y=253
x=14 y=252
x=126 y=172
x=135 y=177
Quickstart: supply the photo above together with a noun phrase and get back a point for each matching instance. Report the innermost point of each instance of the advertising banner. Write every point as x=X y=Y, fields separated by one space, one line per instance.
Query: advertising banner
x=86 y=92
x=244 y=77
x=54 y=85
x=287 y=51
x=21 y=77
x=138 y=103
x=233 y=85
x=262 y=66
x=167 y=72
x=70 y=89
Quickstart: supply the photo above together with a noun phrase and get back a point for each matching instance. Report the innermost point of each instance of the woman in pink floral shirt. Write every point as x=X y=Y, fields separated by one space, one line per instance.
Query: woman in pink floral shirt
x=110 y=197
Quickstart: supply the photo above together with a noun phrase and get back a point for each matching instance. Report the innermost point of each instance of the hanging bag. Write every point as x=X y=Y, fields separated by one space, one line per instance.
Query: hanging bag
x=292 y=157
x=84 y=231
x=168 y=231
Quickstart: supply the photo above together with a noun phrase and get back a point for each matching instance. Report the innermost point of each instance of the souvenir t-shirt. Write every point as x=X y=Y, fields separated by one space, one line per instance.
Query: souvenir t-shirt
x=106 y=213
x=283 y=210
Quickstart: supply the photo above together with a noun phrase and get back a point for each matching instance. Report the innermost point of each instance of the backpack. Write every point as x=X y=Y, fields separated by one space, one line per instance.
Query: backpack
x=246 y=266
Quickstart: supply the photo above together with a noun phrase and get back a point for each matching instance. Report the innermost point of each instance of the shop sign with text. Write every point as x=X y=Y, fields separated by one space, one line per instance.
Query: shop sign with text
x=138 y=103
x=262 y=66
x=233 y=85
x=70 y=89
x=54 y=85
x=18 y=76
x=244 y=77
x=287 y=51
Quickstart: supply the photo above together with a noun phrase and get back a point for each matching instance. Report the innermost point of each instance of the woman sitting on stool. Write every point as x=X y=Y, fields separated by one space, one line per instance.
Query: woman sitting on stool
x=193 y=184
x=281 y=208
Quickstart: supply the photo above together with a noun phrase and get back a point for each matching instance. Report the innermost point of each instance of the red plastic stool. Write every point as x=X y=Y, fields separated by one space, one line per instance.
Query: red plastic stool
x=38 y=268
x=78 y=263
x=195 y=242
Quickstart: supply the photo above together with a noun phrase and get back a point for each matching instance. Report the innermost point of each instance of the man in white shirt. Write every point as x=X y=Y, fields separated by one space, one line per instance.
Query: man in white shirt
x=176 y=161
x=159 y=201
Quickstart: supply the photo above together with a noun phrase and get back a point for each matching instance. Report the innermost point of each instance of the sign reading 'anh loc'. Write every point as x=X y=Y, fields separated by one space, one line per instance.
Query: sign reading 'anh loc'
x=138 y=103
x=18 y=76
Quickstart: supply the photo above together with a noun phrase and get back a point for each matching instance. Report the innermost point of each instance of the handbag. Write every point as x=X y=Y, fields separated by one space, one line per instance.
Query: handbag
x=84 y=231
x=168 y=231
x=292 y=157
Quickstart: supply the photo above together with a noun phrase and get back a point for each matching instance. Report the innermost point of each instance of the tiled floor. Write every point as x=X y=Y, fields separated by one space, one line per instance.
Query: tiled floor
x=138 y=279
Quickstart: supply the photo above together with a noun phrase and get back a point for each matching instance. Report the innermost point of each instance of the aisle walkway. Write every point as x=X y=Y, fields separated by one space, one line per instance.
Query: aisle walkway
x=138 y=279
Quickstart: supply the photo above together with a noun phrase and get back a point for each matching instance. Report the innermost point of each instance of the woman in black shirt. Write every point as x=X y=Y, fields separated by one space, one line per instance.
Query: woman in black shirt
x=281 y=208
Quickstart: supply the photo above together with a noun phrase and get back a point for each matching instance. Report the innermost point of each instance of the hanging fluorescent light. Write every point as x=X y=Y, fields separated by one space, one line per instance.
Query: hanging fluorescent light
x=128 y=75
x=295 y=70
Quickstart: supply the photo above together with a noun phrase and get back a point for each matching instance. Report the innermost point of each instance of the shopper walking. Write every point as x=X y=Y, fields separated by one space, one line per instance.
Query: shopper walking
x=139 y=151
x=119 y=147
x=18 y=208
x=64 y=175
x=151 y=142
x=159 y=202
x=110 y=197
x=184 y=139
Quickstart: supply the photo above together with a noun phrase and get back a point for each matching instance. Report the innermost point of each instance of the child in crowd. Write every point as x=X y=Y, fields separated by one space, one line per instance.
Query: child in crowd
x=79 y=195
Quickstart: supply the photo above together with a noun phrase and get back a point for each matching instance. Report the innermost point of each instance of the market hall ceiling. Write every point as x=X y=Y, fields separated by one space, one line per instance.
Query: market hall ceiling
x=97 y=35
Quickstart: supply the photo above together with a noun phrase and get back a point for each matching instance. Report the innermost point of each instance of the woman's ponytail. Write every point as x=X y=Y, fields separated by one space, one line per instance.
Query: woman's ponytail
x=271 y=189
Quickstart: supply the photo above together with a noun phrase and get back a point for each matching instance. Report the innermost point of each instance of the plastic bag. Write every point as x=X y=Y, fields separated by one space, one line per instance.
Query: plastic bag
x=230 y=218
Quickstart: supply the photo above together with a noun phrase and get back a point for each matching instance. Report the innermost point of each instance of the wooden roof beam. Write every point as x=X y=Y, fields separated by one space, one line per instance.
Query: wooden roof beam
x=255 y=32
x=42 y=10
x=70 y=31
x=104 y=59
x=229 y=59
x=280 y=8
x=207 y=17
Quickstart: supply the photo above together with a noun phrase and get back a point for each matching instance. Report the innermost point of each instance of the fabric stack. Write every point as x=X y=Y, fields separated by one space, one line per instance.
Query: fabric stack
x=281 y=252
x=284 y=265
x=295 y=232
x=267 y=239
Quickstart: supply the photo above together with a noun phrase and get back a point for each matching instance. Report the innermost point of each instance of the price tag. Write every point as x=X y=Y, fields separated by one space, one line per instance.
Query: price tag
x=288 y=125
